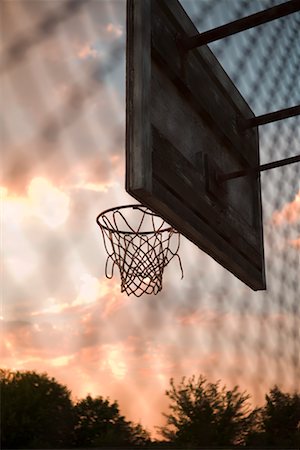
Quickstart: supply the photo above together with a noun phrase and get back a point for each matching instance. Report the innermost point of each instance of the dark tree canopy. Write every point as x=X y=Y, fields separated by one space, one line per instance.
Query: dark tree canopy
x=99 y=423
x=204 y=413
x=36 y=411
x=279 y=421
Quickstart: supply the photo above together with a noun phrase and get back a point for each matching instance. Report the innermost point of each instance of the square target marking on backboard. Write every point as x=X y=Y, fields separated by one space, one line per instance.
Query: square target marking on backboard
x=182 y=130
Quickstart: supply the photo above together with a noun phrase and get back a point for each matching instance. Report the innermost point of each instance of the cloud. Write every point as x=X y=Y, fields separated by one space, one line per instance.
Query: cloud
x=62 y=360
x=44 y=208
x=48 y=203
x=115 y=360
x=90 y=289
x=204 y=318
x=39 y=339
x=97 y=49
x=87 y=51
x=44 y=201
x=52 y=308
x=295 y=243
x=289 y=214
x=95 y=298
x=115 y=30
x=95 y=187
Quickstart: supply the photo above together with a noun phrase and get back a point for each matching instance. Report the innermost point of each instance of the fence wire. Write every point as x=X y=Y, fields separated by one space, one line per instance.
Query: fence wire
x=63 y=123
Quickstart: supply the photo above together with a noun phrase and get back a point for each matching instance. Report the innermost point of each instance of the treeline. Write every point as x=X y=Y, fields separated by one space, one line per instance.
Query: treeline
x=37 y=412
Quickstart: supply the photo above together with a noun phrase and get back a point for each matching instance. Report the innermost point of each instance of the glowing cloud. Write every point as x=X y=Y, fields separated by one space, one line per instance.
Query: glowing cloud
x=295 y=243
x=43 y=202
x=115 y=361
x=114 y=30
x=53 y=307
x=115 y=300
x=48 y=203
x=87 y=51
x=96 y=187
x=16 y=247
x=289 y=214
x=61 y=361
x=90 y=290
x=204 y=317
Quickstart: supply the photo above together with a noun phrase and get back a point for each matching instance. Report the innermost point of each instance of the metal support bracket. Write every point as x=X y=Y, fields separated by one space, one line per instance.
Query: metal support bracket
x=215 y=178
x=269 y=117
x=221 y=178
x=254 y=20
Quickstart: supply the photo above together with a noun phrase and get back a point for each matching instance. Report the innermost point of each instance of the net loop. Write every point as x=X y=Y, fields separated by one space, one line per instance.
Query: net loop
x=141 y=244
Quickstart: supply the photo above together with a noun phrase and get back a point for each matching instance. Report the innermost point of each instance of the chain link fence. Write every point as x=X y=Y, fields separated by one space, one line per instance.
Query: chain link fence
x=63 y=139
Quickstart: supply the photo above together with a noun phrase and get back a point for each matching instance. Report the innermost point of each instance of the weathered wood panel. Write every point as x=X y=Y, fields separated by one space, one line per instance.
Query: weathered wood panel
x=178 y=176
x=180 y=106
x=212 y=244
x=174 y=116
x=138 y=91
x=198 y=78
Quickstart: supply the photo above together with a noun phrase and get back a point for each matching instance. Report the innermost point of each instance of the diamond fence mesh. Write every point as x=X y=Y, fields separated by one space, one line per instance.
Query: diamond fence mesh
x=63 y=128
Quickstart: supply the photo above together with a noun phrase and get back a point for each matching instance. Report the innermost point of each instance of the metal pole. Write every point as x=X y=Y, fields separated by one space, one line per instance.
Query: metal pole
x=188 y=43
x=271 y=117
x=262 y=168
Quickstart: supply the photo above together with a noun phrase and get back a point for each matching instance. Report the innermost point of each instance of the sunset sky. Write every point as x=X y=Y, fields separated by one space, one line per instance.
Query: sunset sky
x=63 y=162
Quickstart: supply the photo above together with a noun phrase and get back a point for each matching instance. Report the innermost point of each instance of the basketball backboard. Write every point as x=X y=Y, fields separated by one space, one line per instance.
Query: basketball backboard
x=182 y=129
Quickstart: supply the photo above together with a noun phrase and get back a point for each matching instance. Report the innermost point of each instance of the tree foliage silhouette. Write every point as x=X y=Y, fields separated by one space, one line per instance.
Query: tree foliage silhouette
x=36 y=411
x=279 y=421
x=99 y=423
x=204 y=413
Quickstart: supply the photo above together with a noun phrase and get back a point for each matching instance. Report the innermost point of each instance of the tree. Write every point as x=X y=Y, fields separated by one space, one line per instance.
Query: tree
x=203 y=413
x=139 y=436
x=36 y=411
x=99 y=423
x=279 y=421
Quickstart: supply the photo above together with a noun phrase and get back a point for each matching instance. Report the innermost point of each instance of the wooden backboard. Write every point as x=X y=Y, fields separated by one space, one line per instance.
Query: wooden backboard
x=182 y=128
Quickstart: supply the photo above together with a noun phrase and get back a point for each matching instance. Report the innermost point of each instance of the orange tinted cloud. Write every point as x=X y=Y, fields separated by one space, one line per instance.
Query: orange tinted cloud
x=135 y=369
x=114 y=30
x=289 y=214
x=49 y=204
x=96 y=187
x=203 y=317
x=44 y=201
x=87 y=51
x=295 y=243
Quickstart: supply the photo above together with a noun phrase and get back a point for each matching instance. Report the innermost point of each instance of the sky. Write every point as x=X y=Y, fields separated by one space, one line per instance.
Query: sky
x=63 y=162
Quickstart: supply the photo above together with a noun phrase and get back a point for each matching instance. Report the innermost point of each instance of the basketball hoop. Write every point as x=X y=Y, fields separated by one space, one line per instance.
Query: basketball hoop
x=140 y=244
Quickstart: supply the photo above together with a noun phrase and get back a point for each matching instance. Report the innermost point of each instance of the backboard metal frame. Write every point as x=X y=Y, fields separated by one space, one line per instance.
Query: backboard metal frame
x=182 y=132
